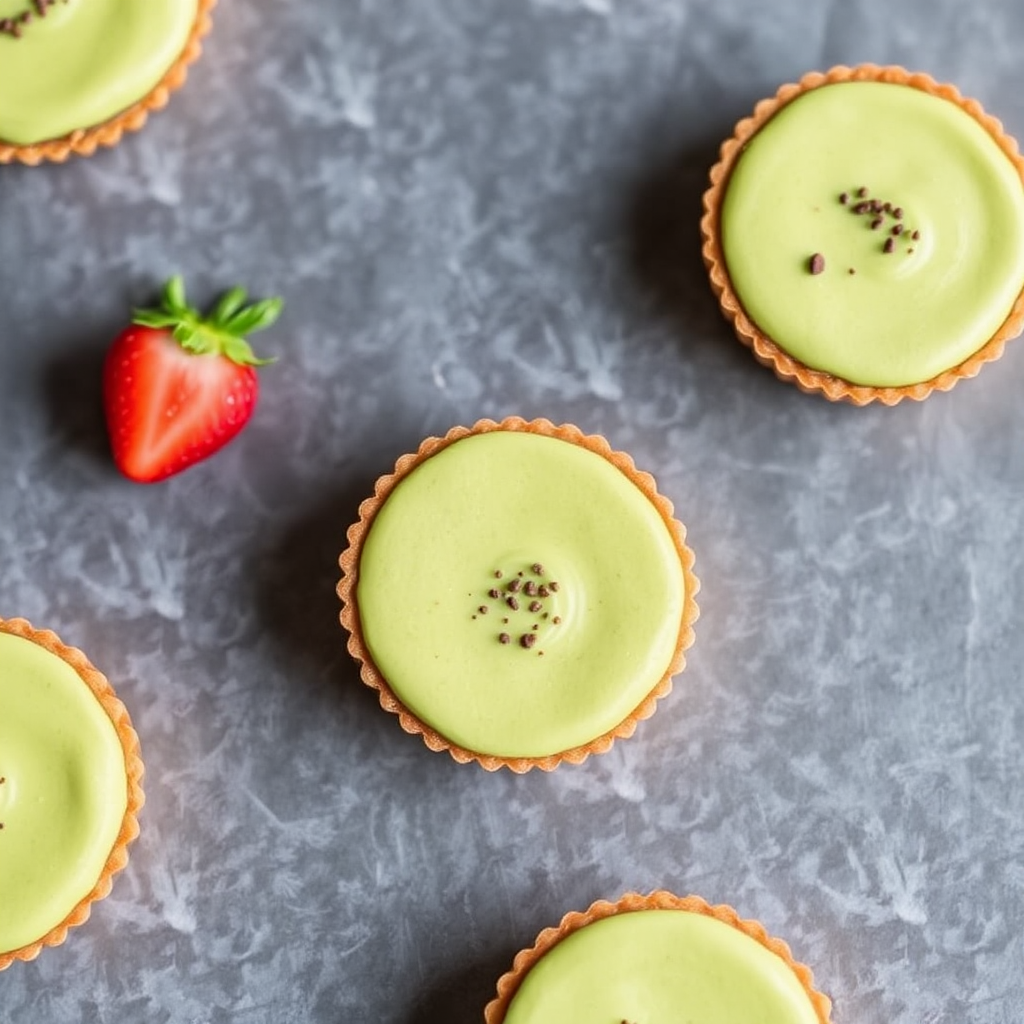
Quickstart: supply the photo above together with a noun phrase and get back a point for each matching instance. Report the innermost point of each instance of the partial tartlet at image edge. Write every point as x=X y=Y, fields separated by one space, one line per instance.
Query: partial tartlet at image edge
x=518 y=593
x=655 y=957
x=105 y=81
x=70 y=789
x=864 y=234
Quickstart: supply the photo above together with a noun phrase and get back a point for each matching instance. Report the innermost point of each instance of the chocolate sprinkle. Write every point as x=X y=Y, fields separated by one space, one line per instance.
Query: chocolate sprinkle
x=889 y=245
x=504 y=638
x=512 y=603
x=817 y=264
x=527 y=640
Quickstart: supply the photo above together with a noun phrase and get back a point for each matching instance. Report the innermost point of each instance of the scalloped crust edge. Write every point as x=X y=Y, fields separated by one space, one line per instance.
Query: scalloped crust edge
x=85 y=141
x=372 y=677
x=766 y=351
x=508 y=984
x=118 y=714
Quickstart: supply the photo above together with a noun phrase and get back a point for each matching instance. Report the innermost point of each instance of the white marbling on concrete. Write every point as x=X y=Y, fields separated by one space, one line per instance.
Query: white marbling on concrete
x=484 y=207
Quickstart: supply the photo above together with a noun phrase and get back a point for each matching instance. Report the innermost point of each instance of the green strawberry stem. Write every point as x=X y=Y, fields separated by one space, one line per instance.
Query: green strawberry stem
x=222 y=332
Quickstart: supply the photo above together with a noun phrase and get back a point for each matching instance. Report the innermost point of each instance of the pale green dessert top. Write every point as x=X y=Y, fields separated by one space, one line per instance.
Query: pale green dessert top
x=660 y=967
x=904 y=316
x=63 y=794
x=84 y=61
x=497 y=534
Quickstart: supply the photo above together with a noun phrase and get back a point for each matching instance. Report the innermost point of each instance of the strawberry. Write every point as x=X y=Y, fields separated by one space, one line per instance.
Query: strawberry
x=178 y=386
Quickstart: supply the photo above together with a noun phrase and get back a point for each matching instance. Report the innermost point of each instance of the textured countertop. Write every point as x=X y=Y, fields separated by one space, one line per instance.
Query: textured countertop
x=480 y=208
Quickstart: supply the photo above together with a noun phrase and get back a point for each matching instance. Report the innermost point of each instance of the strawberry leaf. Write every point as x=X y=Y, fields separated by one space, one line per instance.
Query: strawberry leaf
x=230 y=303
x=154 y=318
x=254 y=318
x=222 y=332
x=174 y=295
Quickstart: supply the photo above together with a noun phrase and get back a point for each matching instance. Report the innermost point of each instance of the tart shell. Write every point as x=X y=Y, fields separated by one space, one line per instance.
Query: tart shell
x=372 y=677
x=508 y=984
x=765 y=350
x=118 y=715
x=85 y=141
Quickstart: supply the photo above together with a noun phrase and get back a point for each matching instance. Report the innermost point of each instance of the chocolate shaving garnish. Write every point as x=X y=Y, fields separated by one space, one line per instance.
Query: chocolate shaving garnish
x=535 y=606
x=514 y=585
x=528 y=640
x=504 y=638
x=890 y=244
x=512 y=603
x=817 y=264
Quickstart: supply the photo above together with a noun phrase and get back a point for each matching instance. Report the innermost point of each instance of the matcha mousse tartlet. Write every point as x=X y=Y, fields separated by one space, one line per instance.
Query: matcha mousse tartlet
x=77 y=74
x=657 y=959
x=70 y=790
x=518 y=593
x=864 y=233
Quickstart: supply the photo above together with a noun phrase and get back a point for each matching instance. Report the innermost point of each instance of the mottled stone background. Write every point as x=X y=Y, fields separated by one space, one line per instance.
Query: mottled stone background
x=478 y=208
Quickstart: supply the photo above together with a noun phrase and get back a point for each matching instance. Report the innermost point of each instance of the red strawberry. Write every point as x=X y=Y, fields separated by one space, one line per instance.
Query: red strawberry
x=178 y=386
